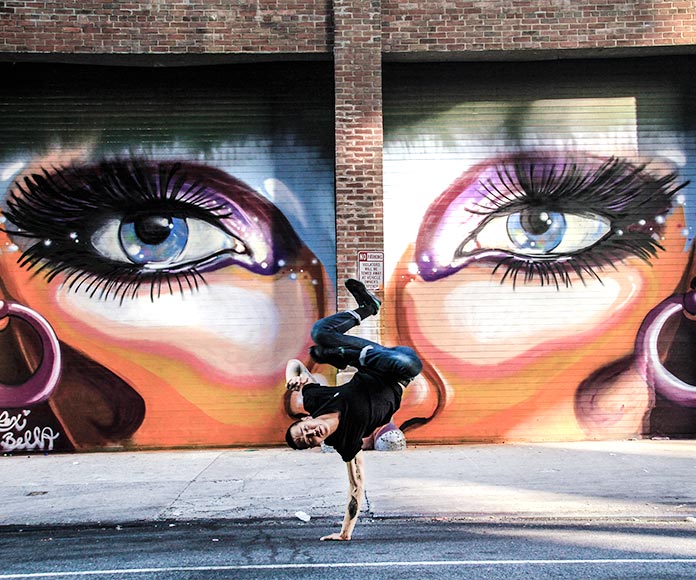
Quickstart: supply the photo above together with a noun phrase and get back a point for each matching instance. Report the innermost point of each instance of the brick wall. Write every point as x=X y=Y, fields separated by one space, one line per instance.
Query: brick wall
x=305 y=26
x=181 y=26
x=358 y=90
x=475 y=25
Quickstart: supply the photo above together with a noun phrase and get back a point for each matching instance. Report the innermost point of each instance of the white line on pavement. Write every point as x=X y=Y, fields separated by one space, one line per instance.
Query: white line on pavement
x=425 y=564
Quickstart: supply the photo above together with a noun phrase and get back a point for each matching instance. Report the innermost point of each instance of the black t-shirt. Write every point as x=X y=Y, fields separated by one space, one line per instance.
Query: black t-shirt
x=364 y=403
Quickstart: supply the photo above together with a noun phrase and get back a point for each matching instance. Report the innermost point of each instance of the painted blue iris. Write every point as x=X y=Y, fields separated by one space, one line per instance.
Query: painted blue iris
x=534 y=230
x=153 y=239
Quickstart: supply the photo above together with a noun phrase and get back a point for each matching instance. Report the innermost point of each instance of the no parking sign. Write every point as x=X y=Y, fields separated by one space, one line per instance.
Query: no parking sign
x=371 y=269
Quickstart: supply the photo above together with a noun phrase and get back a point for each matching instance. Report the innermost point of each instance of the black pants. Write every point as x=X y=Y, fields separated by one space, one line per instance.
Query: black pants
x=400 y=362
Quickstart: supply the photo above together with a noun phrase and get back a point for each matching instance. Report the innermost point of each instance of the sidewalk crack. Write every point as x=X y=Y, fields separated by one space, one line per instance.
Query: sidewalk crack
x=368 y=506
x=183 y=490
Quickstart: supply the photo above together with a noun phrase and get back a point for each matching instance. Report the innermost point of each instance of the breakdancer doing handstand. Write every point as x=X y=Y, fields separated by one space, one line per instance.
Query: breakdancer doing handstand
x=342 y=416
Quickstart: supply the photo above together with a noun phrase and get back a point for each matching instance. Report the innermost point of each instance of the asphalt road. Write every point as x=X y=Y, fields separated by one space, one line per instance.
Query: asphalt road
x=400 y=548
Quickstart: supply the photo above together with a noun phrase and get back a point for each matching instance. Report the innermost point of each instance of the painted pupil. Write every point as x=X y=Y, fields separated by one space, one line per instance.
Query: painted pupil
x=534 y=221
x=153 y=230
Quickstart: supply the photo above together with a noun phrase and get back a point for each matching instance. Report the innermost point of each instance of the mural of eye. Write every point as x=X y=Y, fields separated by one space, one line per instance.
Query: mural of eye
x=545 y=217
x=537 y=232
x=114 y=226
x=159 y=241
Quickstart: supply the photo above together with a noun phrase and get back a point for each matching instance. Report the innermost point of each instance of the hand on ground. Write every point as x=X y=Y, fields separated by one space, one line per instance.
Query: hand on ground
x=338 y=537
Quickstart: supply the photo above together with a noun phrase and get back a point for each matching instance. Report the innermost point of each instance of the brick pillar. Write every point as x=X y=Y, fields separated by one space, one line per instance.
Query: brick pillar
x=358 y=112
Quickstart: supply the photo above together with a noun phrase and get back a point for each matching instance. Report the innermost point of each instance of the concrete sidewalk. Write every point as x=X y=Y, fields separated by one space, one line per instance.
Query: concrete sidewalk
x=623 y=479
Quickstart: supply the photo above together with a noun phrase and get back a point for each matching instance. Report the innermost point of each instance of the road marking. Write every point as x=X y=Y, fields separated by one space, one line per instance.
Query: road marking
x=78 y=573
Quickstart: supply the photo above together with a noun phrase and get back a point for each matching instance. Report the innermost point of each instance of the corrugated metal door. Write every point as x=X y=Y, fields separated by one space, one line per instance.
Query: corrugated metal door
x=175 y=228
x=536 y=221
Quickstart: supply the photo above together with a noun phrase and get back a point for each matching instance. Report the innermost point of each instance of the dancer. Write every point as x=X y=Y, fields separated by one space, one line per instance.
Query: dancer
x=342 y=416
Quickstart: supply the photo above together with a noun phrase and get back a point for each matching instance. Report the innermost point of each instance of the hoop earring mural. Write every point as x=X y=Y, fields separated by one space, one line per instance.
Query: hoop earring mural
x=647 y=356
x=41 y=384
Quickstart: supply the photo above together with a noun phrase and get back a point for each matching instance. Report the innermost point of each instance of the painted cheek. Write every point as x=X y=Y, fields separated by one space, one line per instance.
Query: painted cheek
x=474 y=320
x=232 y=329
x=478 y=320
x=237 y=325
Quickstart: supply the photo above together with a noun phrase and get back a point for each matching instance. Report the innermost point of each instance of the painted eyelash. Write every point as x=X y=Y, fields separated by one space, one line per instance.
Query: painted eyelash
x=66 y=194
x=558 y=272
x=117 y=284
x=616 y=189
x=48 y=205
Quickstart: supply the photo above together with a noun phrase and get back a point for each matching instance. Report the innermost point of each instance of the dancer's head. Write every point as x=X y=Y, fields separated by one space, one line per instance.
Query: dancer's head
x=308 y=432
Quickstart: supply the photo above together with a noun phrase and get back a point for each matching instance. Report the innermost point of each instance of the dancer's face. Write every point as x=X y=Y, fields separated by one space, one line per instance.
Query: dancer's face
x=180 y=279
x=310 y=432
x=529 y=272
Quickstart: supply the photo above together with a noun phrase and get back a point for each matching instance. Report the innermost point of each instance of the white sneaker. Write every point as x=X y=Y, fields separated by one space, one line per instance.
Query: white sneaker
x=295 y=368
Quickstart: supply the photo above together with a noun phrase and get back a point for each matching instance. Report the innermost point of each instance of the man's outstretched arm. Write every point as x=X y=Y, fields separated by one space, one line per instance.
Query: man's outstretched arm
x=356 y=490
